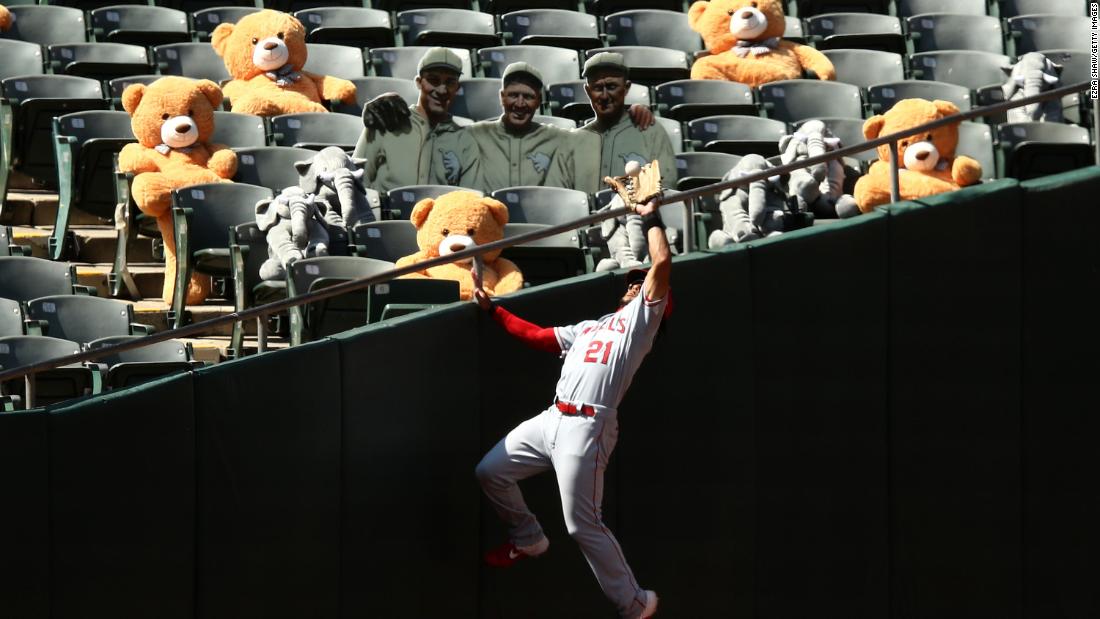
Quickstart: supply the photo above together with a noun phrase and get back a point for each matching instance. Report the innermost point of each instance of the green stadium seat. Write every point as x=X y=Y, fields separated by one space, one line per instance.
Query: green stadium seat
x=856 y=31
x=347 y=25
x=400 y=297
x=367 y=88
x=478 y=98
x=651 y=65
x=737 y=135
x=86 y=144
x=81 y=319
x=554 y=27
x=239 y=130
x=204 y=21
x=333 y=315
x=50 y=386
x=931 y=32
x=8 y=246
x=401 y=200
x=882 y=97
x=549 y=259
x=652 y=27
x=966 y=68
x=909 y=8
x=270 y=166
x=140 y=25
x=865 y=67
x=202 y=216
x=570 y=100
x=23 y=278
x=248 y=251
x=20 y=58
x=27 y=108
x=385 y=240
x=793 y=100
x=1031 y=33
x=138 y=365
x=195 y=60
x=1033 y=149
x=686 y=100
x=335 y=60
x=316 y=130
x=101 y=61
x=1015 y=8
x=448 y=27
x=543 y=205
x=11 y=318
x=46 y=25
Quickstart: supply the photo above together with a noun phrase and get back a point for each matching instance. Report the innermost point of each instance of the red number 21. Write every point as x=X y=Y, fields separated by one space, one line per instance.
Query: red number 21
x=594 y=350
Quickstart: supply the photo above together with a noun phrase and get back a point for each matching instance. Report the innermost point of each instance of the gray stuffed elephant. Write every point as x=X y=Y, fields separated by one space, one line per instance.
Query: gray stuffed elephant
x=751 y=212
x=336 y=180
x=626 y=241
x=330 y=194
x=818 y=189
x=1032 y=74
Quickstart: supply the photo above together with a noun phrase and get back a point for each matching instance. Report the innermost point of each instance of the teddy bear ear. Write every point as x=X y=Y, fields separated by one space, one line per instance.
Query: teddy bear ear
x=497 y=210
x=873 y=126
x=421 y=211
x=211 y=91
x=945 y=108
x=220 y=36
x=695 y=12
x=131 y=97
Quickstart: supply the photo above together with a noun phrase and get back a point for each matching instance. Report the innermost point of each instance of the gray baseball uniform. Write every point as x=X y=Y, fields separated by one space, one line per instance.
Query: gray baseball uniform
x=601 y=357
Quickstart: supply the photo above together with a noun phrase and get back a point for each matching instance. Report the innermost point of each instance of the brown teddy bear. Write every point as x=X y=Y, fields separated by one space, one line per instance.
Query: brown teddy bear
x=455 y=221
x=264 y=52
x=5 y=18
x=928 y=162
x=744 y=39
x=172 y=119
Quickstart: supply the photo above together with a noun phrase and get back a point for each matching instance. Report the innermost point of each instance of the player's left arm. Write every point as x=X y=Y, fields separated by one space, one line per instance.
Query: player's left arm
x=656 y=282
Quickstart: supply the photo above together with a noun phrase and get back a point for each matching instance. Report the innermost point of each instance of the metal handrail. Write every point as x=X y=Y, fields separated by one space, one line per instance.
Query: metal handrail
x=668 y=198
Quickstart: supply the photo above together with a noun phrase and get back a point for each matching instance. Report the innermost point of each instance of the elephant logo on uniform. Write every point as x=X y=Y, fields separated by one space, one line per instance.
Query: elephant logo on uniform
x=451 y=166
x=540 y=161
x=627 y=158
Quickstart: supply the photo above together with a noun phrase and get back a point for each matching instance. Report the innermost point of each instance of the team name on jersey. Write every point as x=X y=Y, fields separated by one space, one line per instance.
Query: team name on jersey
x=614 y=323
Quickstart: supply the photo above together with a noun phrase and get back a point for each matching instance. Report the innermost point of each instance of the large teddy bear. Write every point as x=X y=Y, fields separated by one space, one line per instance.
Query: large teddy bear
x=264 y=53
x=329 y=193
x=5 y=18
x=173 y=119
x=744 y=38
x=928 y=162
x=455 y=221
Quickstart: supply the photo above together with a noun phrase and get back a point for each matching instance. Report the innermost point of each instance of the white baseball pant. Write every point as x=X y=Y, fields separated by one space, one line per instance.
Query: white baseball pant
x=577 y=448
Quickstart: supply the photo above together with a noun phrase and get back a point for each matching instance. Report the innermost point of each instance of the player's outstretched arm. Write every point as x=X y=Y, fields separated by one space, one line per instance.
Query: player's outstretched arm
x=539 y=338
x=657 y=280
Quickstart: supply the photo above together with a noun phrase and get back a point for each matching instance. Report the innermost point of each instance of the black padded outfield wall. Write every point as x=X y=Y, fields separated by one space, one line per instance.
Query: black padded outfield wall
x=893 y=415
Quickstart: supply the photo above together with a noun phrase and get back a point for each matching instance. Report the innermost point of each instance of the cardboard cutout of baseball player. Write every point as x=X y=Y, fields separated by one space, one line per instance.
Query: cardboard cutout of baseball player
x=575 y=436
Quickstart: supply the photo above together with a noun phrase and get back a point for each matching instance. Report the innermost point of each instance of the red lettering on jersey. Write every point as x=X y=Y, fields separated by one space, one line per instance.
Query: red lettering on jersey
x=622 y=325
x=594 y=350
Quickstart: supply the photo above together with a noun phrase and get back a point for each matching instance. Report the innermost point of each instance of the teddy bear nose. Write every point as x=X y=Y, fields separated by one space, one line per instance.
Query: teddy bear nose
x=458 y=246
x=270 y=45
x=183 y=128
x=746 y=14
x=921 y=156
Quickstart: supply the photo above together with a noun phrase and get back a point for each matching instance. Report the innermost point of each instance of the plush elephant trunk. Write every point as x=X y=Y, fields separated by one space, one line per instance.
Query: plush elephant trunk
x=299 y=222
x=349 y=193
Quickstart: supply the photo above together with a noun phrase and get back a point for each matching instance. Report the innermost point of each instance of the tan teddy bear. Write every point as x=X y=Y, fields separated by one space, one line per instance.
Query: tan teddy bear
x=744 y=39
x=264 y=52
x=172 y=119
x=5 y=18
x=455 y=221
x=928 y=164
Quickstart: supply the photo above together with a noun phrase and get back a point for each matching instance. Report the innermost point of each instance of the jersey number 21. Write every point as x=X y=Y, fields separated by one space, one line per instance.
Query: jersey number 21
x=590 y=355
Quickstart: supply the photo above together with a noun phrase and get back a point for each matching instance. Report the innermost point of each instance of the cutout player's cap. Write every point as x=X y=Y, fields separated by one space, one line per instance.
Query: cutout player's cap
x=520 y=70
x=636 y=276
x=440 y=58
x=612 y=61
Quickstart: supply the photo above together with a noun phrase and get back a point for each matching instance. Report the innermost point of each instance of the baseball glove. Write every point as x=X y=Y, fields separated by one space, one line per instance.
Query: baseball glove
x=638 y=189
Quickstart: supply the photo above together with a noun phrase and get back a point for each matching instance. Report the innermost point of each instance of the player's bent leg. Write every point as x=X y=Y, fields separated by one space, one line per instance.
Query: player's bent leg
x=517 y=456
x=580 y=459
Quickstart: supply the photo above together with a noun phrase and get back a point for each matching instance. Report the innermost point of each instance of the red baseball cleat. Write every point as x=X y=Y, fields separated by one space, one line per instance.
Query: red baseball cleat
x=650 y=609
x=508 y=553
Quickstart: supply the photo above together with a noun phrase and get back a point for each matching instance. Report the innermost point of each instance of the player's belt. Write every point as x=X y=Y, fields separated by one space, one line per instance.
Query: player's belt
x=567 y=408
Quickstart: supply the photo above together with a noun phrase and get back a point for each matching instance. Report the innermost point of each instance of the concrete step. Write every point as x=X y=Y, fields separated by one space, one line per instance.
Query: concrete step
x=39 y=208
x=148 y=277
x=95 y=244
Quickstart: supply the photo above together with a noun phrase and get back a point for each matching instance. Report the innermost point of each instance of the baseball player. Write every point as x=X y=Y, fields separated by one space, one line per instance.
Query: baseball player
x=419 y=144
x=575 y=436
